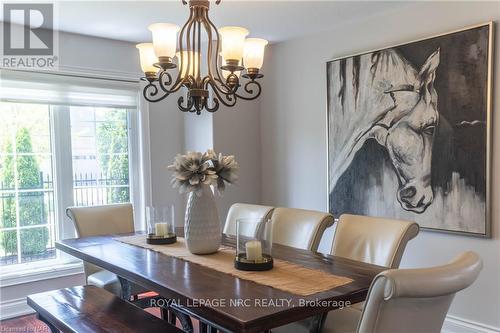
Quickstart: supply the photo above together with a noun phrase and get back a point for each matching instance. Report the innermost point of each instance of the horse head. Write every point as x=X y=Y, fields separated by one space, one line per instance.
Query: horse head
x=407 y=130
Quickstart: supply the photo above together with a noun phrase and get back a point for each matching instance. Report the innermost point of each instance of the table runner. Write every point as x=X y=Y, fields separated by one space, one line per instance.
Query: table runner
x=284 y=276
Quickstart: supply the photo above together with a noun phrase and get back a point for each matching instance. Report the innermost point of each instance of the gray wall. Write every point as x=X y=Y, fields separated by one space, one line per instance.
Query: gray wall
x=237 y=132
x=293 y=128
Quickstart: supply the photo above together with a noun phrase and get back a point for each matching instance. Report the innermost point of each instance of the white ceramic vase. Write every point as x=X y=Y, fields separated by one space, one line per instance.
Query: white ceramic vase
x=202 y=230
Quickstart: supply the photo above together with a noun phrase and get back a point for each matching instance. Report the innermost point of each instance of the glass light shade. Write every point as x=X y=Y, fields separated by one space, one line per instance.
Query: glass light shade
x=164 y=39
x=148 y=57
x=253 y=244
x=253 y=54
x=193 y=63
x=160 y=222
x=233 y=42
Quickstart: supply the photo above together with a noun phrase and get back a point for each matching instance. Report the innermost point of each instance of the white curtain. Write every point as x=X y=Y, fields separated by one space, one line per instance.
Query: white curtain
x=57 y=89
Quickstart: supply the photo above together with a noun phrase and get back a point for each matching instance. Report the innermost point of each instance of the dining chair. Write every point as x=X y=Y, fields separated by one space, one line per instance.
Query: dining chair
x=374 y=240
x=245 y=211
x=299 y=228
x=102 y=220
x=416 y=300
x=411 y=300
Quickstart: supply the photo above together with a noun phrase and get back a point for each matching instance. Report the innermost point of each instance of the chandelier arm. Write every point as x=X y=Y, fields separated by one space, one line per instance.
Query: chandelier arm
x=150 y=91
x=248 y=89
x=189 y=52
x=179 y=81
x=215 y=107
x=189 y=104
x=228 y=100
x=164 y=80
x=224 y=86
x=198 y=30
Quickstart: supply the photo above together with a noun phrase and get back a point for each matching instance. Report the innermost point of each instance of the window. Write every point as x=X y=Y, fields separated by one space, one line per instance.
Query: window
x=99 y=145
x=63 y=141
x=27 y=218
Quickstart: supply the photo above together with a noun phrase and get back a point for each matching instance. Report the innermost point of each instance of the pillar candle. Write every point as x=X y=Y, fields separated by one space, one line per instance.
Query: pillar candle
x=161 y=229
x=254 y=250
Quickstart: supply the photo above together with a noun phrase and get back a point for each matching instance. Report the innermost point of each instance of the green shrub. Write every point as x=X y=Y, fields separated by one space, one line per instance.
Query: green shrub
x=31 y=205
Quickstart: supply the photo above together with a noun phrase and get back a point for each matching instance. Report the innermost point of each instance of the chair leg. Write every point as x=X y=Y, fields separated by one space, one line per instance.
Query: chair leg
x=203 y=328
x=52 y=328
x=317 y=322
x=126 y=290
x=172 y=319
x=186 y=323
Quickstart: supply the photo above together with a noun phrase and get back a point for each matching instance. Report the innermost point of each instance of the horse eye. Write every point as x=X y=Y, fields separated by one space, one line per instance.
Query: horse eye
x=429 y=129
x=392 y=96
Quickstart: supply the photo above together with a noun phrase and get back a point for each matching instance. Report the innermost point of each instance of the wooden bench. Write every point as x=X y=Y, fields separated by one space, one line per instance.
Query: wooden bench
x=89 y=309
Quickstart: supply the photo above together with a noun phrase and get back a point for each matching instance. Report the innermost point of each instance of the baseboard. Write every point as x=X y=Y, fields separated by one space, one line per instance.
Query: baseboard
x=454 y=324
x=14 y=308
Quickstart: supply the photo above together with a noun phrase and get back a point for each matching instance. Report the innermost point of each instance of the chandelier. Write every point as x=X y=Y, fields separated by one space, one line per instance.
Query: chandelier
x=211 y=72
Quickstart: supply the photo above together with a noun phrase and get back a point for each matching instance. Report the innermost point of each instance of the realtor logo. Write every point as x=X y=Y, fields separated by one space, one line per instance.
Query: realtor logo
x=28 y=29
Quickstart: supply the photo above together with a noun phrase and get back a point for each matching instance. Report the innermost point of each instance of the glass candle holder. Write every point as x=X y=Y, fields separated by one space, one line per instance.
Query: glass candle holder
x=254 y=245
x=161 y=225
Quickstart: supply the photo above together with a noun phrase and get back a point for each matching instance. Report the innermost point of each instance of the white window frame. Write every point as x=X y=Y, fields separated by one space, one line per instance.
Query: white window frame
x=139 y=161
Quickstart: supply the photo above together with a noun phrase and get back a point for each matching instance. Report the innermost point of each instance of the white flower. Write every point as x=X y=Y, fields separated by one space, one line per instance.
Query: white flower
x=193 y=170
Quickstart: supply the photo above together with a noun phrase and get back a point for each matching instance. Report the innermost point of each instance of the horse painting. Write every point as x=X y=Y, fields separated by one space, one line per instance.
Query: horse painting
x=384 y=102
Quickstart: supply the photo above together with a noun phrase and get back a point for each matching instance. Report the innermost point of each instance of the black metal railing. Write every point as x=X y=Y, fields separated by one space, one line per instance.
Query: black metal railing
x=28 y=223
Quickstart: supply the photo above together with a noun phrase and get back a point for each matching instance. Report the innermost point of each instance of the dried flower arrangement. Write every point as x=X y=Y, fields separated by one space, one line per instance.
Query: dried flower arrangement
x=195 y=169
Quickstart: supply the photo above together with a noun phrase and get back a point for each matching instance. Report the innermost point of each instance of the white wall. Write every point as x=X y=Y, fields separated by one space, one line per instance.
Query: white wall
x=293 y=128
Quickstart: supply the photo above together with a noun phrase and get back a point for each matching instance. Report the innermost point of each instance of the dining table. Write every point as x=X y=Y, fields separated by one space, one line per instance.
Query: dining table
x=224 y=302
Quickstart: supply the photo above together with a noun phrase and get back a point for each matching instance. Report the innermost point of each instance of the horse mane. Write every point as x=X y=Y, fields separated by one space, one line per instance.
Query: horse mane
x=357 y=98
x=383 y=63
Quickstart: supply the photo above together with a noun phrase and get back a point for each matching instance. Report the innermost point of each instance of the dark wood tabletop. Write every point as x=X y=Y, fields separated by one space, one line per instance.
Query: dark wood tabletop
x=232 y=303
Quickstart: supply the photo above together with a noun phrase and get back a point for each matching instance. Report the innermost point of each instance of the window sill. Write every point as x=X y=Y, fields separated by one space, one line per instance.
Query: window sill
x=52 y=270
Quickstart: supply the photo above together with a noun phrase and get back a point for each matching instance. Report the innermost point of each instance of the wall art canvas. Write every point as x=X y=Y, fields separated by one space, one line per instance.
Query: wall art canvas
x=409 y=132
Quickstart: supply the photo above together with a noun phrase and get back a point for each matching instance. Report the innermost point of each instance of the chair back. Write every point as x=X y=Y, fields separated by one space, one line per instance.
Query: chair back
x=299 y=228
x=416 y=300
x=245 y=211
x=101 y=220
x=373 y=240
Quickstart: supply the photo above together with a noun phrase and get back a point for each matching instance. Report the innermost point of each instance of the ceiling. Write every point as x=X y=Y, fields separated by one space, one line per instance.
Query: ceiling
x=273 y=20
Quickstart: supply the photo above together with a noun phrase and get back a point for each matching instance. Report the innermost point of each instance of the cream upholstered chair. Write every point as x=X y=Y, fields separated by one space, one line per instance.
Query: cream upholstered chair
x=102 y=220
x=408 y=300
x=299 y=228
x=416 y=300
x=245 y=211
x=374 y=240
